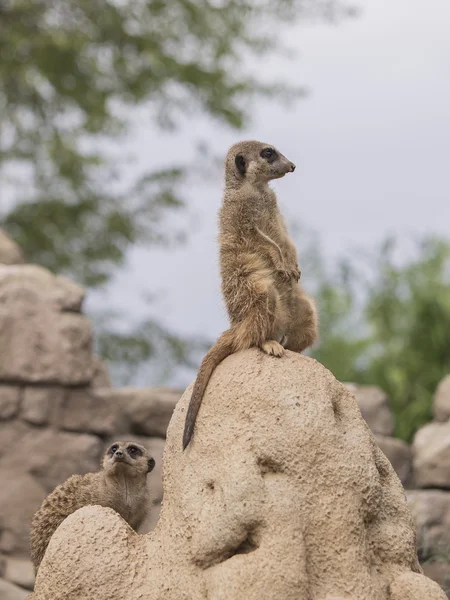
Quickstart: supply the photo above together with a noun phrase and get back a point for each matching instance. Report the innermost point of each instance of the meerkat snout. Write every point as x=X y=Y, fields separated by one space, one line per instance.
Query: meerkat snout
x=127 y=456
x=260 y=164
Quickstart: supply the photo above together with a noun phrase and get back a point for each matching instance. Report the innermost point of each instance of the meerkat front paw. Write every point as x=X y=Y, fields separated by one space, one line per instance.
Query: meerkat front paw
x=285 y=274
x=296 y=273
x=289 y=274
x=272 y=348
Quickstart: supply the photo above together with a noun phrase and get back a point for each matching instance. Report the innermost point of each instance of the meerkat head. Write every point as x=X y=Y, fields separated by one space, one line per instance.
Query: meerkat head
x=256 y=162
x=127 y=457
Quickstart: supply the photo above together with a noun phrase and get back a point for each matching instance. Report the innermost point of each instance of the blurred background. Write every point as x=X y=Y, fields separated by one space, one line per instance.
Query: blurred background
x=115 y=117
x=114 y=121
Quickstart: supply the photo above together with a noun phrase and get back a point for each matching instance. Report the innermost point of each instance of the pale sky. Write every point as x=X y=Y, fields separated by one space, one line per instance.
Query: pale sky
x=371 y=144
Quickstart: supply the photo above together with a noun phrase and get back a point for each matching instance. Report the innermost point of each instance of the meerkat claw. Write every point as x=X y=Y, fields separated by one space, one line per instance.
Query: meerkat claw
x=273 y=348
x=283 y=341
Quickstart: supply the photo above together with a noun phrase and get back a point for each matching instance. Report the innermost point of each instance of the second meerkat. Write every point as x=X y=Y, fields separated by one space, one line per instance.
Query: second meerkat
x=121 y=484
x=259 y=269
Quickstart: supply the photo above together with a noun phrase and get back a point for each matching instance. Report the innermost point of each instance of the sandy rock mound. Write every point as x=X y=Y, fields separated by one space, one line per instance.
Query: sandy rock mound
x=282 y=494
x=10 y=253
x=43 y=336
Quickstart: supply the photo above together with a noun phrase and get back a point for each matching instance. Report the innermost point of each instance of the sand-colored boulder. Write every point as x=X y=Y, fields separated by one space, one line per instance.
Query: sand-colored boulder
x=87 y=409
x=9 y=401
x=438 y=569
x=41 y=459
x=146 y=411
x=9 y=591
x=431 y=456
x=10 y=253
x=20 y=497
x=374 y=406
x=43 y=338
x=411 y=586
x=19 y=571
x=41 y=405
x=399 y=454
x=431 y=512
x=441 y=401
x=100 y=375
x=282 y=494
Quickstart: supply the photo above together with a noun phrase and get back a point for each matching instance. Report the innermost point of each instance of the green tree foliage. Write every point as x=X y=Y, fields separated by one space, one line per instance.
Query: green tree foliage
x=71 y=73
x=395 y=334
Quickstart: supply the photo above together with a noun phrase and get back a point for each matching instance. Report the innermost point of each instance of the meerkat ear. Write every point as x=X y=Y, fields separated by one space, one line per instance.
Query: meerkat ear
x=240 y=164
x=151 y=465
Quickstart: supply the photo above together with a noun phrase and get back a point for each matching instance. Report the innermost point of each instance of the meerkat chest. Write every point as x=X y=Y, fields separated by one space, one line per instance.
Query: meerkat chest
x=122 y=498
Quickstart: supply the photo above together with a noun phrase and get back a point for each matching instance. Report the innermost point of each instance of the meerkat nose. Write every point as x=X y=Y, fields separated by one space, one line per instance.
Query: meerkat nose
x=118 y=453
x=292 y=167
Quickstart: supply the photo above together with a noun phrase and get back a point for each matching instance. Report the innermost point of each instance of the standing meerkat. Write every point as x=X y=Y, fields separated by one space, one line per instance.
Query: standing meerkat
x=121 y=484
x=259 y=269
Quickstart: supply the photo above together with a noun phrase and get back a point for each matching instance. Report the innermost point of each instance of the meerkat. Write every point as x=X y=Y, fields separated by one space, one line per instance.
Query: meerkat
x=259 y=269
x=121 y=484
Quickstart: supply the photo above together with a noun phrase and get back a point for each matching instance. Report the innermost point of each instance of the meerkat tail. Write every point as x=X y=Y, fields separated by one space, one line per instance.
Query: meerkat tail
x=221 y=349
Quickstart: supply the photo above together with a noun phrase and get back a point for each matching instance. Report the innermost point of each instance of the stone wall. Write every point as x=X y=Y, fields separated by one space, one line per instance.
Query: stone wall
x=58 y=412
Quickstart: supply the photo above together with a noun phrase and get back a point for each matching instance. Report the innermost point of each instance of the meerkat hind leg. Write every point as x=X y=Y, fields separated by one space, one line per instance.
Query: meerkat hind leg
x=303 y=331
x=272 y=347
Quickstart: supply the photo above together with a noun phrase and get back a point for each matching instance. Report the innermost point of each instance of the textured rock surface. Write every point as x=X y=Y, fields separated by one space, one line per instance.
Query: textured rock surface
x=438 y=569
x=374 y=406
x=9 y=591
x=411 y=586
x=282 y=494
x=40 y=404
x=147 y=412
x=10 y=253
x=431 y=512
x=9 y=401
x=399 y=454
x=20 y=494
x=100 y=375
x=42 y=336
x=431 y=456
x=88 y=410
x=19 y=571
x=41 y=460
x=441 y=402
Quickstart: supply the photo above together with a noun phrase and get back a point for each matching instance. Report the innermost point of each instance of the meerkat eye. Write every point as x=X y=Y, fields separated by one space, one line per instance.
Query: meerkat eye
x=114 y=448
x=134 y=451
x=268 y=153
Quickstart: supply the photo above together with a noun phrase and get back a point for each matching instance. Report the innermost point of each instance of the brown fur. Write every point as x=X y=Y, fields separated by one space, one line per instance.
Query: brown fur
x=121 y=484
x=259 y=269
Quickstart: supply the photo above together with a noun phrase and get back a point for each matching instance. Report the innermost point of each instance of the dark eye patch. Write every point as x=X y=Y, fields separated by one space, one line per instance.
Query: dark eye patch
x=134 y=451
x=269 y=154
x=113 y=449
